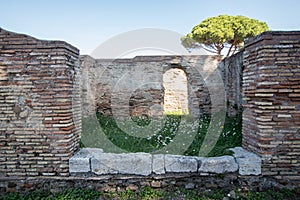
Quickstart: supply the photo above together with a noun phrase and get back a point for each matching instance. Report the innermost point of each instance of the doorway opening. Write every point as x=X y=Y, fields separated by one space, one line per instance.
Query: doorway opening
x=175 y=92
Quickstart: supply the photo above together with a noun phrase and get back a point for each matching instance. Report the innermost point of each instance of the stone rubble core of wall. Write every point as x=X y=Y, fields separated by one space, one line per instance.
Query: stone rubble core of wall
x=96 y=161
x=167 y=182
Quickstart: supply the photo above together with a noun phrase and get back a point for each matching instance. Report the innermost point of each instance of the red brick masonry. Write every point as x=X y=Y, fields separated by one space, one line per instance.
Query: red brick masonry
x=271 y=89
x=40 y=115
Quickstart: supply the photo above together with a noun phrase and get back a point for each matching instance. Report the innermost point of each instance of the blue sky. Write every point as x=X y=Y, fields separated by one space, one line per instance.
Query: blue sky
x=86 y=24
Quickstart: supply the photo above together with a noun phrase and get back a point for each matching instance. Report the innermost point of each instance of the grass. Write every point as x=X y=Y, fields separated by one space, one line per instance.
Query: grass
x=164 y=135
x=230 y=137
x=148 y=193
x=70 y=194
x=139 y=144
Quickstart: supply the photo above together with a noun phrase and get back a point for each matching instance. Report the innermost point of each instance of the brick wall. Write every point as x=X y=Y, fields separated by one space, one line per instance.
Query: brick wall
x=40 y=114
x=231 y=69
x=271 y=88
x=40 y=102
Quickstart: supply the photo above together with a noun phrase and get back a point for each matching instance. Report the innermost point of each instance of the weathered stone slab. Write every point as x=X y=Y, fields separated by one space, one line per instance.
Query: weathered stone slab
x=249 y=163
x=94 y=160
x=131 y=163
x=158 y=164
x=80 y=162
x=176 y=163
x=218 y=165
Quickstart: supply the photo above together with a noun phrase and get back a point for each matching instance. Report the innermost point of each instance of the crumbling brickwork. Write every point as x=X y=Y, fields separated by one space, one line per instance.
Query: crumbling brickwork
x=40 y=114
x=271 y=88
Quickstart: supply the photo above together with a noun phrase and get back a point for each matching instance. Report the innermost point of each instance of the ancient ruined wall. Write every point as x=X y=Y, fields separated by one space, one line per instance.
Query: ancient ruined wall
x=40 y=114
x=231 y=69
x=271 y=88
x=88 y=78
x=116 y=87
x=124 y=87
x=121 y=182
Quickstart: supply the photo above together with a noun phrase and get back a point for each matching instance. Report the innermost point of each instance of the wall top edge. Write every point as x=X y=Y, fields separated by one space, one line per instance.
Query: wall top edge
x=56 y=43
x=273 y=35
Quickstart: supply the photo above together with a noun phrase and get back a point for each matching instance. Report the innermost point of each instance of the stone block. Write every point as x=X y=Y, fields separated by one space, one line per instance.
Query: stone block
x=218 y=165
x=249 y=163
x=80 y=162
x=158 y=164
x=130 y=163
x=176 y=163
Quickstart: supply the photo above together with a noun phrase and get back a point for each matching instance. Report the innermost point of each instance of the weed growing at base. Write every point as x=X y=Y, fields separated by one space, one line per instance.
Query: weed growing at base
x=148 y=193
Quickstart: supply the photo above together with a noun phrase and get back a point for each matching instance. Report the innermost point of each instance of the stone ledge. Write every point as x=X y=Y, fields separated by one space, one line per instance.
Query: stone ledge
x=218 y=165
x=176 y=163
x=130 y=163
x=249 y=163
x=99 y=163
x=81 y=161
